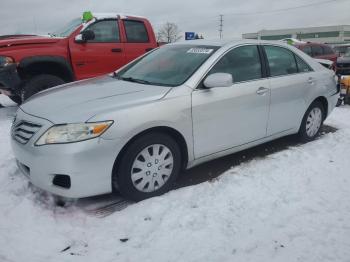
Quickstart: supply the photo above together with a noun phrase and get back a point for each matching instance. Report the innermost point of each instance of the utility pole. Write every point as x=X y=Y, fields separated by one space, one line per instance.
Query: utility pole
x=221 y=25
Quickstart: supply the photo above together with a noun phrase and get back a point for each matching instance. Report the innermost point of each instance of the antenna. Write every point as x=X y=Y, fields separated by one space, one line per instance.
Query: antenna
x=221 y=25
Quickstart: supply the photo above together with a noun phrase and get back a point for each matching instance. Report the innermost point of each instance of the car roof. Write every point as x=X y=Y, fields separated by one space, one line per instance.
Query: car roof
x=231 y=42
x=342 y=45
x=114 y=15
x=310 y=44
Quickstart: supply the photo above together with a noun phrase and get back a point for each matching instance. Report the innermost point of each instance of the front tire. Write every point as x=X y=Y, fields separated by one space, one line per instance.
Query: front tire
x=39 y=83
x=312 y=122
x=149 y=167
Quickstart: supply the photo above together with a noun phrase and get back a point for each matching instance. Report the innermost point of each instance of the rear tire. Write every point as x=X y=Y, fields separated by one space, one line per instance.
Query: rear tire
x=312 y=122
x=39 y=83
x=144 y=170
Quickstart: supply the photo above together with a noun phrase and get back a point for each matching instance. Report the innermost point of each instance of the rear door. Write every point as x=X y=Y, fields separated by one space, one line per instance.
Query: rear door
x=290 y=78
x=100 y=56
x=138 y=40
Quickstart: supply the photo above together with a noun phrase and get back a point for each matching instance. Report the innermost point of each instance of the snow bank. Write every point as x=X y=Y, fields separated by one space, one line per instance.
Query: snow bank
x=290 y=206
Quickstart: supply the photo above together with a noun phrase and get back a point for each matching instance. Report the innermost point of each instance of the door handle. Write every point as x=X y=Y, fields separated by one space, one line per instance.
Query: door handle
x=310 y=80
x=116 y=50
x=262 y=91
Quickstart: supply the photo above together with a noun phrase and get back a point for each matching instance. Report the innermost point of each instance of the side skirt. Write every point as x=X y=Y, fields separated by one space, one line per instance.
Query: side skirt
x=235 y=149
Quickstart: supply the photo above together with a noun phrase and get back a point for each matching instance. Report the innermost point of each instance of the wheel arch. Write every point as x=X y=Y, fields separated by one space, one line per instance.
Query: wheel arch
x=323 y=100
x=175 y=134
x=53 y=65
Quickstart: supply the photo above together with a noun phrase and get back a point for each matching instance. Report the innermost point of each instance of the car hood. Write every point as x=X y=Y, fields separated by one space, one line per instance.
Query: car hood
x=11 y=41
x=80 y=101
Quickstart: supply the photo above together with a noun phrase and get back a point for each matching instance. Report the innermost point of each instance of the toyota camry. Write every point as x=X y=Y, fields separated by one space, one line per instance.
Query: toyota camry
x=180 y=105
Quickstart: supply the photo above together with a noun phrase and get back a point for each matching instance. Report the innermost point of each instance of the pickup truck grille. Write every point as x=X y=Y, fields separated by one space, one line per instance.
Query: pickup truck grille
x=23 y=131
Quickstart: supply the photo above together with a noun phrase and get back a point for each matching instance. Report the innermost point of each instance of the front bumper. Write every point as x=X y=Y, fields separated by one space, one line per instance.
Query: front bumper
x=88 y=163
x=9 y=79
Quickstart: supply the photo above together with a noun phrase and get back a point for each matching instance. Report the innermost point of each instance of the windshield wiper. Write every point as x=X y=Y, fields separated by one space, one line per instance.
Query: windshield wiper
x=135 y=80
x=140 y=81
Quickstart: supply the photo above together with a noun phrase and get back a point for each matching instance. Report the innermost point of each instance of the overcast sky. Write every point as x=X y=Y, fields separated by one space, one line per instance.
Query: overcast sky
x=240 y=16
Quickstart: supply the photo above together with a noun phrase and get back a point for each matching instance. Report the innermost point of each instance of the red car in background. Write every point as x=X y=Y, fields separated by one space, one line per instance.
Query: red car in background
x=317 y=50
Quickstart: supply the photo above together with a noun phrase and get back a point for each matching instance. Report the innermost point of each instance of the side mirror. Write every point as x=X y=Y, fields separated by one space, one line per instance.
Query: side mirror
x=218 y=80
x=85 y=36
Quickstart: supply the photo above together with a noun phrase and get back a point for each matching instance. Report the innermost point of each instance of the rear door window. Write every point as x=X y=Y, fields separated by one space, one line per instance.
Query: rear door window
x=327 y=50
x=317 y=50
x=307 y=50
x=281 y=61
x=243 y=63
x=136 y=31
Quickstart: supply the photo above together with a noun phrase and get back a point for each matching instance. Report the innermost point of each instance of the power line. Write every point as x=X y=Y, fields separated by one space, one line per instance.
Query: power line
x=221 y=25
x=287 y=9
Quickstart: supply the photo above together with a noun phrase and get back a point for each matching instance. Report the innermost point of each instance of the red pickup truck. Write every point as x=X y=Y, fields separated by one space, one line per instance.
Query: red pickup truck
x=82 y=49
x=317 y=50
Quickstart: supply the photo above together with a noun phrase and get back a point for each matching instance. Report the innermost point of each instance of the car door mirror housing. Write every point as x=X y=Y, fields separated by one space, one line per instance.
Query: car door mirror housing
x=85 y=36
x=218 y=80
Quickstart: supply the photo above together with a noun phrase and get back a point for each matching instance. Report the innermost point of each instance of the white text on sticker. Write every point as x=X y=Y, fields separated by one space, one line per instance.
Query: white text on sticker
x=200 y=51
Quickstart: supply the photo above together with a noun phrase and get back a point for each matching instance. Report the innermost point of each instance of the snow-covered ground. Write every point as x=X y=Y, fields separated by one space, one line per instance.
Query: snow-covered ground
x=293 y=205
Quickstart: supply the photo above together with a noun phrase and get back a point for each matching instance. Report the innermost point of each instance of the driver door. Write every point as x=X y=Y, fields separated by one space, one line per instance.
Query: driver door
x=227 y=117
x=100 y=56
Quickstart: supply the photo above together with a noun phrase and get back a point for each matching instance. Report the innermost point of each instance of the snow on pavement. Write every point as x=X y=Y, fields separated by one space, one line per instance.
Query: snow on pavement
x=289 y=206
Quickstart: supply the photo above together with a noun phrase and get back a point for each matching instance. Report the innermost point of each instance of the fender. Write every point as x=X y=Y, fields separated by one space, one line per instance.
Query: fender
x=58 y=60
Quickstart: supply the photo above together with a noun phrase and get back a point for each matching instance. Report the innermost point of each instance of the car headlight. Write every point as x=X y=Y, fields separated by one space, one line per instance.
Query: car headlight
x=6 y=60
x=69 y=133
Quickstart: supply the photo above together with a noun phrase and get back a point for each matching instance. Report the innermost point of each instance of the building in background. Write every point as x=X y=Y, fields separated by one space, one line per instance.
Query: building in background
x=323 y=34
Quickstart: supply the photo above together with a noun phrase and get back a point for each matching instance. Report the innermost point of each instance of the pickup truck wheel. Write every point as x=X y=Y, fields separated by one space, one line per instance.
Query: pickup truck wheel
x=149 y=167
x=39 y=83
x=312 y=122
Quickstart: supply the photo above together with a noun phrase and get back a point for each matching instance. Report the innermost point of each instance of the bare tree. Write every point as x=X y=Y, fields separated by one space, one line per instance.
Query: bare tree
x=169 y=33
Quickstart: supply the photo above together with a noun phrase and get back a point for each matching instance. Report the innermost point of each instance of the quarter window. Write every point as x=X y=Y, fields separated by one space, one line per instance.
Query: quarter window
x=243 y=63
x=106 y=31
x=302 y=65
x=136 y=31
x=281 y=61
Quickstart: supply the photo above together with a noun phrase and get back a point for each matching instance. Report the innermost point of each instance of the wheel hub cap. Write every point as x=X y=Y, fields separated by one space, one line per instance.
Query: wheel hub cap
x=151 y=168
x=313 y=122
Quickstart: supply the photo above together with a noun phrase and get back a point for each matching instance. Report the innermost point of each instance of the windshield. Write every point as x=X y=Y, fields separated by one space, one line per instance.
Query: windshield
x=169 y=65
x=68 y=28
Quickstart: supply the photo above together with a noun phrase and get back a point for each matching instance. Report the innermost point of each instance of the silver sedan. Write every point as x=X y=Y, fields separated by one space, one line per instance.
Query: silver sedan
x=175 y=107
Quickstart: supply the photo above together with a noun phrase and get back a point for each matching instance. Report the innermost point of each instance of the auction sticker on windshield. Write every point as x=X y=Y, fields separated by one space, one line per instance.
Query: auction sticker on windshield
x=200 y=51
